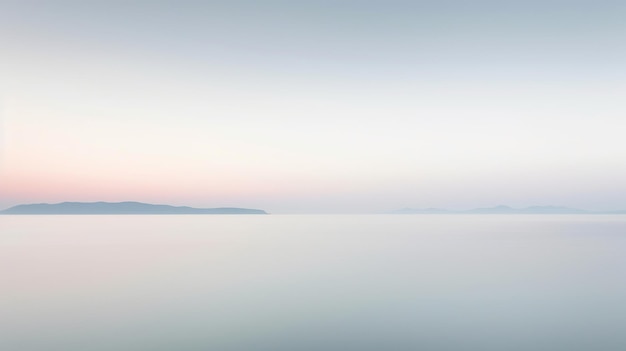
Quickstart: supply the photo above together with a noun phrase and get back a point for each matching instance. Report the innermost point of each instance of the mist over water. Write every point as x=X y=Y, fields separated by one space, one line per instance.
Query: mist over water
x=313 y=282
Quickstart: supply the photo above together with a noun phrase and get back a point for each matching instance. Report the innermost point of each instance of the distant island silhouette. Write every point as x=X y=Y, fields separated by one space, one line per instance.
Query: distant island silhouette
x=506 y=210
x=110 y=208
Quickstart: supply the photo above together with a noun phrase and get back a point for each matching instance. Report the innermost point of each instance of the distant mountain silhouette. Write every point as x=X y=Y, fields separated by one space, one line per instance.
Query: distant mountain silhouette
x=120 y=208
x=528 y=210
x=506 y=210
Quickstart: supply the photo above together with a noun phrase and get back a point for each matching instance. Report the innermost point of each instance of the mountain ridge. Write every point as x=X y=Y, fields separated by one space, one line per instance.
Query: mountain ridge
x=126 y=207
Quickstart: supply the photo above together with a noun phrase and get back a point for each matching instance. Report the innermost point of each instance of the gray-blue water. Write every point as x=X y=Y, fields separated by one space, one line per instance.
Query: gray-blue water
x=353 y=282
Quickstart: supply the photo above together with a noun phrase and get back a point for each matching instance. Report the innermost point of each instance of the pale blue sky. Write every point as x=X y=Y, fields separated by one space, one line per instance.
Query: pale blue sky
x=314 y=106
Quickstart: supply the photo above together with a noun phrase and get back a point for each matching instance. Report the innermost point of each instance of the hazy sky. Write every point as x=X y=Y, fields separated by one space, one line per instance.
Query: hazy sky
x=314 y=105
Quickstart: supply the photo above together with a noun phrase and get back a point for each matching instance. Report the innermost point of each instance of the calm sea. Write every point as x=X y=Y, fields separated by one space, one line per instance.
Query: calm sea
x=313 y=282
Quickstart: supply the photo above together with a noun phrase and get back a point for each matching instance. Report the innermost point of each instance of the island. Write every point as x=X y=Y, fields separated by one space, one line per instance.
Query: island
x=119 y=208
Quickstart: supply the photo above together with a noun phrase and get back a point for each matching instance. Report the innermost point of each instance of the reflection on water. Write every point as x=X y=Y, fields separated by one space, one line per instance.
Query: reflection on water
x=381 y=282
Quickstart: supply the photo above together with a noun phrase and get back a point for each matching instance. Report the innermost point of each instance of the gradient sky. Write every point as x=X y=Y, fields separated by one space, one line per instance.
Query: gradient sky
x=314 y=105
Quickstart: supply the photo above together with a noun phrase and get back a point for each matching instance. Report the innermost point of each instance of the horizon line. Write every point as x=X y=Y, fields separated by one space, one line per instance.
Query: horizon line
x=504 y=209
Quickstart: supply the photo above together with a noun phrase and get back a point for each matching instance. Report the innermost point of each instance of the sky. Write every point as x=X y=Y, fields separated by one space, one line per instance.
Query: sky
x=314 y=106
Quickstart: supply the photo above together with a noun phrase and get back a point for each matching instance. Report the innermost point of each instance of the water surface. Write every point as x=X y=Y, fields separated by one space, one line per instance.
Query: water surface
x=334 y=282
